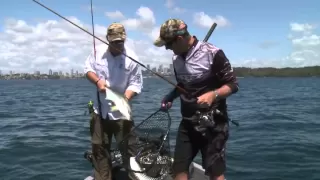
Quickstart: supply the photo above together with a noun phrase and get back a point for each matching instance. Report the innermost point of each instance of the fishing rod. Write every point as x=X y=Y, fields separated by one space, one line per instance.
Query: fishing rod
x=213 y=27
x=95 y=57
x=153 y=72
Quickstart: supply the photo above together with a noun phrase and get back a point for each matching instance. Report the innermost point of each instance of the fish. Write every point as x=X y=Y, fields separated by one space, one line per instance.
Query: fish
x=137 y=169
x=120 y=103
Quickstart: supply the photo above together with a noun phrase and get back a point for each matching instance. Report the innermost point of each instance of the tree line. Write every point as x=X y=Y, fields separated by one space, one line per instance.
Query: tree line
x=277 y=72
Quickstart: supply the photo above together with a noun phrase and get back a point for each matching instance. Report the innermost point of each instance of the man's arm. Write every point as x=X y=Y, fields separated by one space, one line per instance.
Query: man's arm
x=89 y=69
x=226 y=75
x=173 y=94
x=135 y=83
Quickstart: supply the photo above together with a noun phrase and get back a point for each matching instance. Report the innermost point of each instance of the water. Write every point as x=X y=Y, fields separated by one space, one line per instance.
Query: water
x=43 y=130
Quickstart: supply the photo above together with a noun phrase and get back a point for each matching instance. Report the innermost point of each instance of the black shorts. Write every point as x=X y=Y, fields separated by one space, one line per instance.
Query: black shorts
x=189 y=142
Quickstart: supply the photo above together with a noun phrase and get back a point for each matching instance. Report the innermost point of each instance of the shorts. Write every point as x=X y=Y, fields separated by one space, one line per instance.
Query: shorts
x=102 y=131
x=189 y=142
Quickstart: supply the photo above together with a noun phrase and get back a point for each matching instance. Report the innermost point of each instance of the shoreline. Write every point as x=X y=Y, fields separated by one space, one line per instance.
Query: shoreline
x=148 y=77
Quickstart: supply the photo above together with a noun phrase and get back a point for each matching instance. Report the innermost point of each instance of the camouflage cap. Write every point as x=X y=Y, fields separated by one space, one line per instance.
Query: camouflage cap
x=116 y=31
x=169 y=30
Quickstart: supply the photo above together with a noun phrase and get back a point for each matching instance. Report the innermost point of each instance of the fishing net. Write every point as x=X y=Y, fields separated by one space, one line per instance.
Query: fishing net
x=146 y=149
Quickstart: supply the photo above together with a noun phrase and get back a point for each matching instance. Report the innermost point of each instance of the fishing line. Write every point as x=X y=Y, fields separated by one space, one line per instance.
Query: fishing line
x=94 y=42
x=155 y=73
x=94 y=37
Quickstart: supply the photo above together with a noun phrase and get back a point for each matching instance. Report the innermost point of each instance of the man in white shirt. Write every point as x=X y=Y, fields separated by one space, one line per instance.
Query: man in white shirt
x=107 y=67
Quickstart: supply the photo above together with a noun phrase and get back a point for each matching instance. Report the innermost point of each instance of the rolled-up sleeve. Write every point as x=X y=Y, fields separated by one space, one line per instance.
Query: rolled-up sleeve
x=89 y=64
x=135 y=80
x=225 y=72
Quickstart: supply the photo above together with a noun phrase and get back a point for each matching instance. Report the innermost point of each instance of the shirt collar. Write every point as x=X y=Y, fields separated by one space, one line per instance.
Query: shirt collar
x=194 y=44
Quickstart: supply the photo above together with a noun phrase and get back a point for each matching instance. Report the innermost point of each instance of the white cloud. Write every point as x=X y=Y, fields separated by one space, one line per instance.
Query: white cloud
x=170 y=4
x=155 y=33
x=305 y=45
x=145 y=22
x=58 y=45
x=305 y=50
x=296 y=27
x=204 y=20
x=116 y=15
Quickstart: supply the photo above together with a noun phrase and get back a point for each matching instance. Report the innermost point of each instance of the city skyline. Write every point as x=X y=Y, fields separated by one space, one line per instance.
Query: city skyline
x=160 y=69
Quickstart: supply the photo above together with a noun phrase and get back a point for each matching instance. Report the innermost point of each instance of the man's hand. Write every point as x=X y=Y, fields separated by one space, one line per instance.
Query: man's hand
x=128 y=94
x=167 y=100
x=101 y=84
x=207 y=98
x=166 y=103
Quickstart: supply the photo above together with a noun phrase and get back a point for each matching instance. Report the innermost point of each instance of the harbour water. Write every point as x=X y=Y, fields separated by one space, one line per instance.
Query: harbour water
x=44 y=132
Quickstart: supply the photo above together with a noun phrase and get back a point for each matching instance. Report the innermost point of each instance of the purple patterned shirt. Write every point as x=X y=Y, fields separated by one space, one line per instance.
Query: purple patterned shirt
x=204 y=68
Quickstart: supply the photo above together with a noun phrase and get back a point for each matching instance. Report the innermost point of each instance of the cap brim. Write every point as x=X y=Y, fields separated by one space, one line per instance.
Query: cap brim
x=112 y=38
x=159 y=42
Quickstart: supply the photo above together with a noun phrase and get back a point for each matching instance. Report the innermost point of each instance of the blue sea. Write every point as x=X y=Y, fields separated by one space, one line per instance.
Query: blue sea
x=44 y=131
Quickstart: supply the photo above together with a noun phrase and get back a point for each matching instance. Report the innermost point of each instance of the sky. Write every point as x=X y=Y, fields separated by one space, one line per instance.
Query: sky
x=252 y=33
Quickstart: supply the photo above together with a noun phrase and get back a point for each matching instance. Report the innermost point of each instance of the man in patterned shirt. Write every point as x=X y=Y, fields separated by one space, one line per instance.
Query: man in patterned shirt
x=205 y=73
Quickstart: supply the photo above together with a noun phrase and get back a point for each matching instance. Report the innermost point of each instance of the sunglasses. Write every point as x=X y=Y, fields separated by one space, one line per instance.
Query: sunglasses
x=118 y=42
x=170 y=42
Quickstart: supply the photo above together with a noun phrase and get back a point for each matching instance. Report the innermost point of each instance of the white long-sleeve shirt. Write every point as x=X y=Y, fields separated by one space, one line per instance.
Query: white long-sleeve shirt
x=121 y=72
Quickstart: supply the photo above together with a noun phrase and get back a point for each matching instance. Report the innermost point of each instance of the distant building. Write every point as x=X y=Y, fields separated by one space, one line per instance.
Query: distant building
x=71 y=73
x=37 y=73
x=160 y=69
x=154 y=69
x=171 y=68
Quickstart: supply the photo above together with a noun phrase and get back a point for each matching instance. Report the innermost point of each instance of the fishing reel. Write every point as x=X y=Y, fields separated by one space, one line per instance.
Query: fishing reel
x=205 y=121
x=116 y=157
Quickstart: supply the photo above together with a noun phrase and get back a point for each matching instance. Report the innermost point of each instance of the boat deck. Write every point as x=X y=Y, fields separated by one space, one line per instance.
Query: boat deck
x=197 y=173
